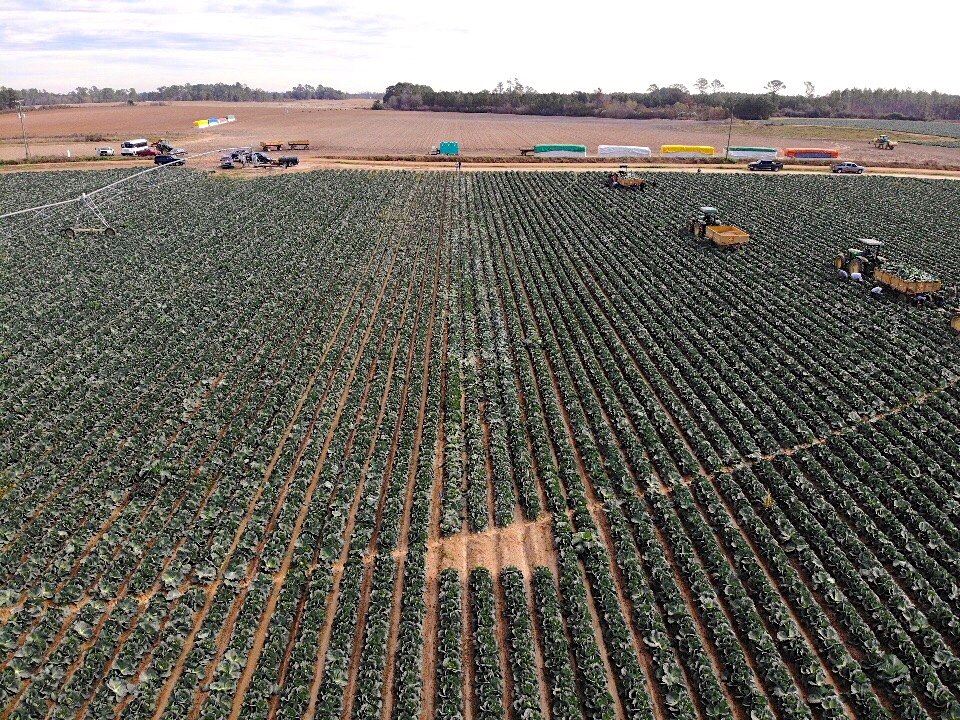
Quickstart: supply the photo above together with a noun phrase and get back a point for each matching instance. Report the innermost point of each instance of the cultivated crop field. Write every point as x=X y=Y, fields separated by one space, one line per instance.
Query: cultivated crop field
x=355 y=445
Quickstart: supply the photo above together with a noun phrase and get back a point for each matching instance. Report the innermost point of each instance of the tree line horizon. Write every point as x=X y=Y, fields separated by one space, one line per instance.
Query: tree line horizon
x=708 y=100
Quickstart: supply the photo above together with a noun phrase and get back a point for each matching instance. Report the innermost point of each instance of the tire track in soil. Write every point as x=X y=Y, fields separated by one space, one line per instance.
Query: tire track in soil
x=260 y=636
x=211 y=591
x=400 y=553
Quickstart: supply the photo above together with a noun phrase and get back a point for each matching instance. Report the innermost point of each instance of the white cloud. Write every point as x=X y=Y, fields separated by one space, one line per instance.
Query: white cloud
x=368 y=45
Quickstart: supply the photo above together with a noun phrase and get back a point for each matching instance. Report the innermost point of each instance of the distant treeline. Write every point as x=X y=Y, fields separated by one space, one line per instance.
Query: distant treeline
x=677 y=102
x=221 y=92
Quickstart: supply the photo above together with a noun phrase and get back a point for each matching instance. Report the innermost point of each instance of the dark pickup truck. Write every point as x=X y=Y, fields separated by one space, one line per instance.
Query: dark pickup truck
x=773 y=165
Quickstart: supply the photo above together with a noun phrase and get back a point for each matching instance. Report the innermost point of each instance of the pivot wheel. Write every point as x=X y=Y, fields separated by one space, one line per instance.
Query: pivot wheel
x=69 y=233
x=110 y=232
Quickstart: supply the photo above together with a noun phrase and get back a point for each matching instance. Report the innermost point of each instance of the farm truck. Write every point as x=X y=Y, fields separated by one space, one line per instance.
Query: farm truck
x=707 y=225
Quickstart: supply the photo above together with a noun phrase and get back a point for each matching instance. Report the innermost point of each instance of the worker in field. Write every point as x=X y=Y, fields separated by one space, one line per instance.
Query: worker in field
x=877 y=292
x=459 y=163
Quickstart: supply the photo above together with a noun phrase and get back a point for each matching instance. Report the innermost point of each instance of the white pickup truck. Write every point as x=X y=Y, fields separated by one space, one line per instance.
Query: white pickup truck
x=105 y=151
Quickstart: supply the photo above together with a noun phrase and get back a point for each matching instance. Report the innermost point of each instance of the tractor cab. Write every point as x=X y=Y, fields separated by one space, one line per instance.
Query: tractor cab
x=709 y=216
x=871 y=248
x=863 y=260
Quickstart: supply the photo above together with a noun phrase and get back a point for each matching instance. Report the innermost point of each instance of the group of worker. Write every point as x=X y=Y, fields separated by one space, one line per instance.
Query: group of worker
x=920 y=301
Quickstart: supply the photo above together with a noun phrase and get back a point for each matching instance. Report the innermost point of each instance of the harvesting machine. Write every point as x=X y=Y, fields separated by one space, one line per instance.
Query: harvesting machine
x=867 y=262
x=883 y=142
x=626 y=180
x=916 y=286
x=707 y=225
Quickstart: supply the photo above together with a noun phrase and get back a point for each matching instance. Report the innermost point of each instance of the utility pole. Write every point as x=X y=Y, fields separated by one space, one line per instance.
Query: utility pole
x=729 y=133
x=26 y=145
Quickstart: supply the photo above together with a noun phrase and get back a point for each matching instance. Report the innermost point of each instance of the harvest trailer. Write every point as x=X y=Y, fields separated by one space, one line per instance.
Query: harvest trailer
x=446 y=148
x=867 y=262
x=707 y=225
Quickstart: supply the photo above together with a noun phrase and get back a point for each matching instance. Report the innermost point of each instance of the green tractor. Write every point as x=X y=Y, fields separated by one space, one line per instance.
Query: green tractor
x=861 y=260
x=698 y=225
x=883 y=142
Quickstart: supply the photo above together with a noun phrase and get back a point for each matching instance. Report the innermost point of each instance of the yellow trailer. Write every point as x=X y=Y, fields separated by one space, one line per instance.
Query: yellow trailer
x=726 y=236
x=891 y=278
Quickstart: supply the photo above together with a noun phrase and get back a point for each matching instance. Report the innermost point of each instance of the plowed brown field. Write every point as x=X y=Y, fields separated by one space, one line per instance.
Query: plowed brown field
x=348 y=127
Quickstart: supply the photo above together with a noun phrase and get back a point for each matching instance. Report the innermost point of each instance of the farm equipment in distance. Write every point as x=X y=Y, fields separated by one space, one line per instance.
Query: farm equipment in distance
x=271 y=145
x=627 y=180
x=446 y=148
x=298 y=144
x=247 y=157
x=707 y=225
x=883 y=142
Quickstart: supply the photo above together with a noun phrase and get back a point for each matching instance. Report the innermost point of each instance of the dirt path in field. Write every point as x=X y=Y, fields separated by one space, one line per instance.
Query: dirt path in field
x=308 y=164
x=525 y=544
x=433 y=534
x=372 y=546
x=415 y=460
x=339 y=565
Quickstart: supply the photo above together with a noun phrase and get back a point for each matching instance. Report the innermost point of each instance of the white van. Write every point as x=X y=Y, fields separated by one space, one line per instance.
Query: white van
x=130 y=147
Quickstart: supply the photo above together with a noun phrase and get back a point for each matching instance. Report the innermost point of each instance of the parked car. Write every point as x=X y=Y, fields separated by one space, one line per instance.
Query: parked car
x=168 y=160
x=147 y=152
x=773 y=165
x=177 y=151
x=105 y=151
x=228 y=162
x=131 y=147
x=847 y=167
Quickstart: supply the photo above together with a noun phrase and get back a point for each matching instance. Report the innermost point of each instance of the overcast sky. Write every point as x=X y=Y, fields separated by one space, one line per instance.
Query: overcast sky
x=366 y=45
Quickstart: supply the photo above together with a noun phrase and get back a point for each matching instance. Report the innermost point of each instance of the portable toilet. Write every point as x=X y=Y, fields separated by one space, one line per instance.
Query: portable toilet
x=449 y=148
